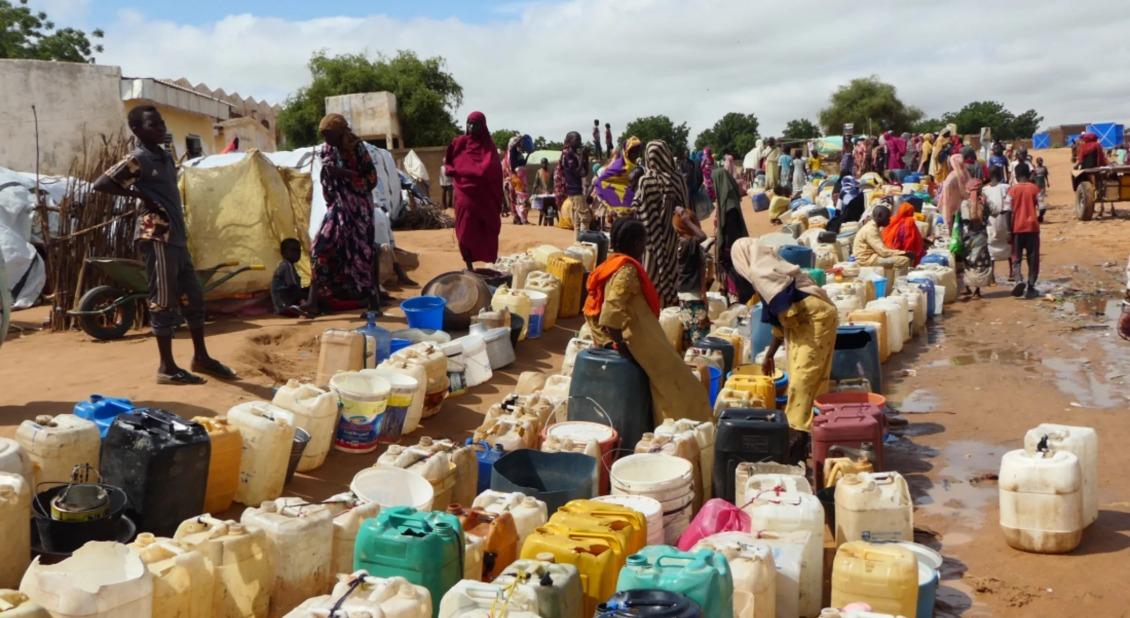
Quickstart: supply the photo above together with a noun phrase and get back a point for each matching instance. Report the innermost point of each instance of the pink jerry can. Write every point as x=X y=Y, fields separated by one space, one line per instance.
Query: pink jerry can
x=716 y=516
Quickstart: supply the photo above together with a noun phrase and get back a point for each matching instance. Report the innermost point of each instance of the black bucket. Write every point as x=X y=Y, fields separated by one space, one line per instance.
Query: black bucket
x=63 y=537
x=301 y=439
x=553 y=478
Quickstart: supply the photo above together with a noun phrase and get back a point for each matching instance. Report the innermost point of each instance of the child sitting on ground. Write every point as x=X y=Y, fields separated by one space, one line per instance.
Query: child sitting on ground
x=779 y=205
x=286 y=287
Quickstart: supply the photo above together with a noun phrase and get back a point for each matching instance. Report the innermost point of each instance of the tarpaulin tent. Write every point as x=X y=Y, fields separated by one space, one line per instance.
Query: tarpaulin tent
x=1041 y=141
x=1110 y=134
x=26 y=272
x=240 y=211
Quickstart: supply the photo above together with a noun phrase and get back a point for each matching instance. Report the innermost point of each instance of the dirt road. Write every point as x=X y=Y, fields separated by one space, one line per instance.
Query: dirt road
x=987 y=372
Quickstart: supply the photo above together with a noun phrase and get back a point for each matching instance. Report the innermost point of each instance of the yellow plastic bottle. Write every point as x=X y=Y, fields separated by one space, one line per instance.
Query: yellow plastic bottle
x=883 y=575
x=223 y=463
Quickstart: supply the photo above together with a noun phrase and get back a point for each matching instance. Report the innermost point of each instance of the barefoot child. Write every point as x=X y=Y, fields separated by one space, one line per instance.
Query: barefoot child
x=149 y=175
x=286 y=287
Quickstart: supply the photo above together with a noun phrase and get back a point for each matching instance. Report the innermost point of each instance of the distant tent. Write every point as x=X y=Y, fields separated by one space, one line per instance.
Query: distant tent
x=1110 y=134
x=1041 y=141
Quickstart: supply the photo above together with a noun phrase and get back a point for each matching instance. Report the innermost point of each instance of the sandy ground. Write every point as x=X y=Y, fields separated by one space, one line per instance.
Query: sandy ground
x=986 y=372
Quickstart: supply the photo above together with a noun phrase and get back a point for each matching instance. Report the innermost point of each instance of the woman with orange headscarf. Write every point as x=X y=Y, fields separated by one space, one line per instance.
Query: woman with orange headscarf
x=902 y=233
x=622 y=311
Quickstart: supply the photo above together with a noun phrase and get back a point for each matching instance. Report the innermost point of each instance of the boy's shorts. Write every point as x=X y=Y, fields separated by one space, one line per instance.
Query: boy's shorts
x=171 y=275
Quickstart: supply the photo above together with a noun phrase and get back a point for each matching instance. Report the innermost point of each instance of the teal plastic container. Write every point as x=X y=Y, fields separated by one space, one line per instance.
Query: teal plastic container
x=703 y=576
x=426 y=548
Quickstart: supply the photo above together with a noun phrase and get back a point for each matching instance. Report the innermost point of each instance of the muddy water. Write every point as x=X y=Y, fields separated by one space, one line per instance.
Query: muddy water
x=964 y=488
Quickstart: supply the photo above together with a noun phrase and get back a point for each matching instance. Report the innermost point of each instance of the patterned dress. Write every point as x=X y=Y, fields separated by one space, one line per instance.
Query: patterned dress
x=661 y=190
x=343 y=248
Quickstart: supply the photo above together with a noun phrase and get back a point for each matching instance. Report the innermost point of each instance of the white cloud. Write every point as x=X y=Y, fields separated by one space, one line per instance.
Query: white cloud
x=549 y=68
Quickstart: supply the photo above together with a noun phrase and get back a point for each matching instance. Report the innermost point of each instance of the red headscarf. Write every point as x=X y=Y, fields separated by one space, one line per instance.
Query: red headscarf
x=475 y=170
x=603 y=273
x=1089 y=144
x=902 y=233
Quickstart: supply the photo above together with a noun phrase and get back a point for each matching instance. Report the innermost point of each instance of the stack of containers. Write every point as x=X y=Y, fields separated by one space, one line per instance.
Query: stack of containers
x=753 y=570
x=679 y=444
x=792 y=511
x=668 y=479
x=596 y=537
x=703 y=435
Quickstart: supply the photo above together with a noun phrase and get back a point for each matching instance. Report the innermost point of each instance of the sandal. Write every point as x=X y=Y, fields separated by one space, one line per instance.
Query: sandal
x=213 y=368
x=179 y=377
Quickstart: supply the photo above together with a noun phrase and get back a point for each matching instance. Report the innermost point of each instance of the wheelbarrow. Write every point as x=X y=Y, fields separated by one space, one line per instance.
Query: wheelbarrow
x=107 y=312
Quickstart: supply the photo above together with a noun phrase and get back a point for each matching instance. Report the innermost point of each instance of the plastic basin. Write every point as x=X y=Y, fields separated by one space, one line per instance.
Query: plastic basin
x=424 y=312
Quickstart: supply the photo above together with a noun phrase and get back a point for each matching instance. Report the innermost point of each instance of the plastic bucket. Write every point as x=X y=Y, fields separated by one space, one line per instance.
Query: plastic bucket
x=424 y=312
x=583 y=431
x=667 y=478
x=929 y=566
x=362 y=401
x=553 y=478
x=500 y=347
x=402 y=390
x=397 y=344
x=715 y=384
x=393 y=487
x=301 y=439
x=782 y=401
x=538 y=303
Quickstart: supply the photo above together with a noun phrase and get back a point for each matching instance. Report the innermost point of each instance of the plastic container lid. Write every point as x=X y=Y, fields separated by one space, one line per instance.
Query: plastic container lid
x=581 y=431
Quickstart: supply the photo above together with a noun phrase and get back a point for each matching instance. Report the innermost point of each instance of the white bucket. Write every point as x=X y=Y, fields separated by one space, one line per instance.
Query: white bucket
x=581 y=431
x=499 y=349
x=665 y=478
x=649 y=508
x=393 y=487
x=476 y=358
x=403 y=390
x=363 y=398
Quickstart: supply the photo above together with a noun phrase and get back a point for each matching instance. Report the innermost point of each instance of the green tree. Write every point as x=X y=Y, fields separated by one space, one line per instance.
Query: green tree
x=426 y=95
x=734 y=133
x=970 y=118
x=541 y=143
x=502 y=137
x=1025 y=125
x=32 y=35
x=650 y=128
x=871 y=105
x=801 y=128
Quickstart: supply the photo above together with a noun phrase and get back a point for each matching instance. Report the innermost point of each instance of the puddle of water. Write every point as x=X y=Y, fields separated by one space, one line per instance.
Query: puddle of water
x=935 y=333
x=1079 y=380
x=919 y=401
x=957 y=495
x=1092 y=304
x=994 y=356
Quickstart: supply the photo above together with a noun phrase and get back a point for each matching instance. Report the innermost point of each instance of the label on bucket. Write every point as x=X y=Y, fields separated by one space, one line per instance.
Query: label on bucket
x=359 y=425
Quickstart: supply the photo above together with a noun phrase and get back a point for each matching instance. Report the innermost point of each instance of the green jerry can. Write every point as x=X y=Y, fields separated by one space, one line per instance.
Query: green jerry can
x=426 y=548
x=703 y=576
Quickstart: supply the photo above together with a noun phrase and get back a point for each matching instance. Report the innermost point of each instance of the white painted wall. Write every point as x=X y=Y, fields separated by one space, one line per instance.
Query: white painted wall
x=74 y=101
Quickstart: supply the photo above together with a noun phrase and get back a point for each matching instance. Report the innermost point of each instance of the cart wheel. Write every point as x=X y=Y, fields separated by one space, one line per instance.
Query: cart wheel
x=1085 y=201
x=110 y=325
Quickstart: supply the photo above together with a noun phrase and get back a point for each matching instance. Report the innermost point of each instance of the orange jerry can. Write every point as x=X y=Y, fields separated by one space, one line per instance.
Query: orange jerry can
x=571 y=273
x=499 y=535
x=223 y=463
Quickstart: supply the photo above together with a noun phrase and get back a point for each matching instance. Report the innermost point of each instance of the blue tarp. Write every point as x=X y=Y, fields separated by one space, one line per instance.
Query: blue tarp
x=1110 y=133
x=1041 y=141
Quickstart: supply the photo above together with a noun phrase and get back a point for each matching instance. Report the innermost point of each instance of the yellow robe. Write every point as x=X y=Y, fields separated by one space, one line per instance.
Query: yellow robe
x=809 y=331
x=675 y=393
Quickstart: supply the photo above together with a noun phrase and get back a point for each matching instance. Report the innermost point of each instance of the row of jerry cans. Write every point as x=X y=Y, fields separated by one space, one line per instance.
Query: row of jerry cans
x=211 y=567
x=451 y=468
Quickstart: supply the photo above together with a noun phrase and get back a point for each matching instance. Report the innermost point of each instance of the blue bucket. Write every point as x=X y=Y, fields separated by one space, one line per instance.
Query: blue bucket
x=880 y=287
x=396 y=344
x=424 y=312
x=782 y=401
x=715 y=384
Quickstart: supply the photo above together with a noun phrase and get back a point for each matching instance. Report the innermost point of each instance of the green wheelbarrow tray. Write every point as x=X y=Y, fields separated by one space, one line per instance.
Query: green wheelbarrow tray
x=107 y=311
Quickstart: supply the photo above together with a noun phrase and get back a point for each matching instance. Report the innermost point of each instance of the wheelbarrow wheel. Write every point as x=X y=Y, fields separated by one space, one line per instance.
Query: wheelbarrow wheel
x=1085 y=201
x=112 y=324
